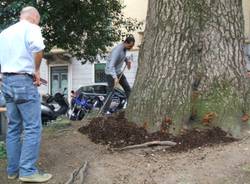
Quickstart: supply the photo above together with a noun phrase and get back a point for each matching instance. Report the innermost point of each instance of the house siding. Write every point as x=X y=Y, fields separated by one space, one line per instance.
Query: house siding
x=246 y=11
x=83 y=75
x=43 y=89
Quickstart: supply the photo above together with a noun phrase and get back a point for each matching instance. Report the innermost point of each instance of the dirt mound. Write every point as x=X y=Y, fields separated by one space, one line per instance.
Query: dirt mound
x=117 y=132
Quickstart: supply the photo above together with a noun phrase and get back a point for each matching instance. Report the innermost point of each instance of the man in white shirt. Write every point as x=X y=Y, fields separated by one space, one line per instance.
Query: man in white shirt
x=21 y=52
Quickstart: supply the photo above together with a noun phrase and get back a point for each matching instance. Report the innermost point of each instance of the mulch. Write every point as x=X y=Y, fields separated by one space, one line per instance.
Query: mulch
x=117 y=132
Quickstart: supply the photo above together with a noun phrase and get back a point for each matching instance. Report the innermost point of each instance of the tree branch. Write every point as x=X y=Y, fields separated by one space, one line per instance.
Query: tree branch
x=148 y=144
x=82 y=172
x=75 y=173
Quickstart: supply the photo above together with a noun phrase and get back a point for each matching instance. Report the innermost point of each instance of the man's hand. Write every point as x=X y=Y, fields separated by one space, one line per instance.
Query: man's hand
x=129 y=65
x=116 y=81
x=37 y=79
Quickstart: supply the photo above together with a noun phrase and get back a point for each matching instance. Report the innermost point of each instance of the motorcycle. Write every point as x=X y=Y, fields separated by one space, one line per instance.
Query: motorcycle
x=83 y=104
x=49 y=111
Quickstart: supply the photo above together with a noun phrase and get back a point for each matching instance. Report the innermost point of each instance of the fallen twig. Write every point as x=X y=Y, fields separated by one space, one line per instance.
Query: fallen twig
x=75 y=173
x=72 y=177
x=147 y=144
x=82 y=172
x=63 y=130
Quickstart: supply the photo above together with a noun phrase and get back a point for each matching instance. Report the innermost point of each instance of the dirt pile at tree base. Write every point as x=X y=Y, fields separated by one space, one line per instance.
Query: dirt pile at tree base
x=117 y=132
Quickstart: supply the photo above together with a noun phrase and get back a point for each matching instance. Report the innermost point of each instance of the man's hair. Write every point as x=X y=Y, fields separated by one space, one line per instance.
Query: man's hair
x=27 y=11
x=129 y=39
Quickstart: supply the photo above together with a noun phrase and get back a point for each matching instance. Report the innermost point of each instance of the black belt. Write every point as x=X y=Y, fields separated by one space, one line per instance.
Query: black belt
x=12 y=74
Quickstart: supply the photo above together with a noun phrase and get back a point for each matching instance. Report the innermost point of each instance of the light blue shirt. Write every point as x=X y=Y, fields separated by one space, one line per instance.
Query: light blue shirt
x=18 y=43
x=116 y=60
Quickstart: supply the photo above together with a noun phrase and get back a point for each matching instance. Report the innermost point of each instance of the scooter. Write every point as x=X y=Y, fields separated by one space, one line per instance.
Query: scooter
x=49 y=111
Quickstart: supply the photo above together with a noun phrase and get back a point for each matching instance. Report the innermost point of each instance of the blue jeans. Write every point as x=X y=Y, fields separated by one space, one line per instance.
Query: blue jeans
x=24 y=126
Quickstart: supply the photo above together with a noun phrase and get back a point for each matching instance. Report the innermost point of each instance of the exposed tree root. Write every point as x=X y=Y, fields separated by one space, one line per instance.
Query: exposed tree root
x=147 y=144
x=80 y=171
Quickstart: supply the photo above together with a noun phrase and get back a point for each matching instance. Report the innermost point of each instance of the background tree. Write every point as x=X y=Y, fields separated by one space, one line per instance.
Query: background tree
x=84 y=28
x=191 y=66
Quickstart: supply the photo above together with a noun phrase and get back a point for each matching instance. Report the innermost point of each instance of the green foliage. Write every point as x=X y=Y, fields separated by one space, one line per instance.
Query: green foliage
x=2 y=150
x=84 y=28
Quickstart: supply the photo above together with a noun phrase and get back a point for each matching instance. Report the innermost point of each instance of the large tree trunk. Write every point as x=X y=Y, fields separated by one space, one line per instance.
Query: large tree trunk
x=191 y=65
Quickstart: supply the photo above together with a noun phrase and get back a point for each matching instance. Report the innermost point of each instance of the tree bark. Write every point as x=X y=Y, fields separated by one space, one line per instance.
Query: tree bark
x=190 y=64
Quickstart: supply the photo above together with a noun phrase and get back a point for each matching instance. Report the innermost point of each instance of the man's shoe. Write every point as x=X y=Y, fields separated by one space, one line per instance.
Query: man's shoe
x=36 y=178
x=13 y=176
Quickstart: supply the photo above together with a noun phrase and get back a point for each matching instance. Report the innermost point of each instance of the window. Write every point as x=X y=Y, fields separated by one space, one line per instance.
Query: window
x=59 y=79
x=99 y=73
x=86 y=89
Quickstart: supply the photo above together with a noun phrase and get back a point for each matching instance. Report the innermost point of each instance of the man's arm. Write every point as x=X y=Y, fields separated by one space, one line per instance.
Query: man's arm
x=128 y=62
x=113 y=59
x=38 y=56
x=36 y=46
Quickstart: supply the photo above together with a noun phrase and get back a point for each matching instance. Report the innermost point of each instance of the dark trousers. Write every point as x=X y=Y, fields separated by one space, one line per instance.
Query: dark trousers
x=123 y=82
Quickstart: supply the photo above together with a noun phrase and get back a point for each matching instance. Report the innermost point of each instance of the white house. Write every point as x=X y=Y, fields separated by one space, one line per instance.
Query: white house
x=65 y=72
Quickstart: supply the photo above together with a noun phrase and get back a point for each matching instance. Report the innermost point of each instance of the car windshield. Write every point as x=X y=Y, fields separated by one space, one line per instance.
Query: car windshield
x=102 y=89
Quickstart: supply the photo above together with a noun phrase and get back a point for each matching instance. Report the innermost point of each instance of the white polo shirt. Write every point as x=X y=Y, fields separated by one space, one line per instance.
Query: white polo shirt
x=17 y=45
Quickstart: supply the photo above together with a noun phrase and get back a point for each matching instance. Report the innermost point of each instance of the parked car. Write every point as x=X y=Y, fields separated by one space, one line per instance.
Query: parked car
x=96 y=89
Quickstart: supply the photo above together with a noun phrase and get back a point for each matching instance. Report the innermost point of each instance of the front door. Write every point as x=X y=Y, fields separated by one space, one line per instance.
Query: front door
x=59 y=79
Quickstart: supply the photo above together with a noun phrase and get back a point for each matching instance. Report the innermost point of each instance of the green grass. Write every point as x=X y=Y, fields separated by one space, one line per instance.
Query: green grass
x=60 y=123
x=2 y=150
